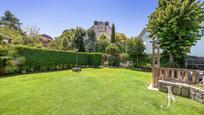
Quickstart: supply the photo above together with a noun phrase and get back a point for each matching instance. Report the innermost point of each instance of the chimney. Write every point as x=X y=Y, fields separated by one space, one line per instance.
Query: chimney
x=95 y=22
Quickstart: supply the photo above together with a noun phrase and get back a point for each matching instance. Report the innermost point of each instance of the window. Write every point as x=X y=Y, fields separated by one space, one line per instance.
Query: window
x=202 y=32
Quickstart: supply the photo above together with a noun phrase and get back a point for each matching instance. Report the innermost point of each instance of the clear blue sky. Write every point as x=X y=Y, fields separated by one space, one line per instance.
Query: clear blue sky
x=54 y=16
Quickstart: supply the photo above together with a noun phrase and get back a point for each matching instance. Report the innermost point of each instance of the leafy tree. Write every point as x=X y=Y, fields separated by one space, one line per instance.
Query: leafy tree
x=113 y=52
x=55 y=44
x=135 y=49
x=113 y=34
x=1 y=38
x=7 y=62
x=65 y=44
x=69 y=36
x=91 y=41
x=32 y=36
x=120 y=37
x=32 y=31
x=122 y=46
x=176 y=24
x=79 y=39
x=9 y=20
x=121 y=42
x=112 y=49
x=15 y=35
x=102 y=43
x=124 y=57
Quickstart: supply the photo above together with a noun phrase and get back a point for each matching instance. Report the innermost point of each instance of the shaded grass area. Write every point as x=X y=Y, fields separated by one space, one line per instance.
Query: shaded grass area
x=92 y=91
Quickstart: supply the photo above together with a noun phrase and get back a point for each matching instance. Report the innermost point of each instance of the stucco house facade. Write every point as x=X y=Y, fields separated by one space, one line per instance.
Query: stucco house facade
x=197 y=50
x=144 y=35
x=100 y=27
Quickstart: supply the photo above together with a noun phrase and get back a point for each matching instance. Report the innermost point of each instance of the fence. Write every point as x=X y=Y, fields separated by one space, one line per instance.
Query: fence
x=187 y=76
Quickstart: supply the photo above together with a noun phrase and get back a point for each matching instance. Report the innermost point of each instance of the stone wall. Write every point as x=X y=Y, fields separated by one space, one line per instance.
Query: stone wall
x=197 y=94
x=183 y=90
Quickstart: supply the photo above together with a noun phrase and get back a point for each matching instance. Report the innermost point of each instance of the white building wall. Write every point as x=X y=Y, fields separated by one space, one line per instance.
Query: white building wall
x=198 y=49
x=147 y=43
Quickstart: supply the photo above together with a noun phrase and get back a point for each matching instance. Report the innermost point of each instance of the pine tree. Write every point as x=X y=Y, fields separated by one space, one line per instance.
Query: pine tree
x=79 y=39
x=113 y=34
x=9 y=20
x=91 y=41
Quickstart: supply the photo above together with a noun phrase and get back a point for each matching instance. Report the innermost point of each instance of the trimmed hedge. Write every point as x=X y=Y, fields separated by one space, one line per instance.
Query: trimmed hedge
x=44 y=59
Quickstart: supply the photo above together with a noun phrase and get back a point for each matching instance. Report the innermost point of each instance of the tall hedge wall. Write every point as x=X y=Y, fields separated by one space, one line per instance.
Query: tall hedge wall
x=44 y=59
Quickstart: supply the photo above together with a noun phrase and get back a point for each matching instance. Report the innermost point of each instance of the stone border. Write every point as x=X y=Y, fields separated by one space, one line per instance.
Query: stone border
x=183 y=90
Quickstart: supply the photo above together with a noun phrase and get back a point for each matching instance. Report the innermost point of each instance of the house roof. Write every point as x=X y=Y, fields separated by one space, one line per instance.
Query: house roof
x=101 y=22
x=47 y=36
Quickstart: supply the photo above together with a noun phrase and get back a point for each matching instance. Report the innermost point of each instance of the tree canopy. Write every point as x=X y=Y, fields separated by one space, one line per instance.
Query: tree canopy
x=120 y=37
x=176 y=24
x=66 y=40
x=91 y=46
x=102 y=43
x=79 y=39
x=135 y=49
x=9 y=20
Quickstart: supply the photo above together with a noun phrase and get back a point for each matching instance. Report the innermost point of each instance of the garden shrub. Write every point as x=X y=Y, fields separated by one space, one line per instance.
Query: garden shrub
x=7 y=64
x=114 y=57
x=4 y=62
x=44 y=59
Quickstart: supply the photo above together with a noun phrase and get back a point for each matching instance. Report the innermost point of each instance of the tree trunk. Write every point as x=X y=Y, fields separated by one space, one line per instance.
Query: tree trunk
x=171 y=58
x=1 y=71
x=137 y=62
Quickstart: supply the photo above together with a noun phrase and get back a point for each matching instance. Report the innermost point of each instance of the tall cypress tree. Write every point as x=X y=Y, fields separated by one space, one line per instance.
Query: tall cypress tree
x=113 y=34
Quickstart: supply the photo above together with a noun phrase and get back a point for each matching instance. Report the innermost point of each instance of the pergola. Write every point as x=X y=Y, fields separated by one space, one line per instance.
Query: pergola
x=155 y=59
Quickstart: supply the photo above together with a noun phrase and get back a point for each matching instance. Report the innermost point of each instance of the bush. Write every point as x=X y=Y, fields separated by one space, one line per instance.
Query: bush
x=44 y=59
x=114 y=57
x=7 y=64
x=4 y=63
x=113 y=60
x=124 y=57
x=112 y=49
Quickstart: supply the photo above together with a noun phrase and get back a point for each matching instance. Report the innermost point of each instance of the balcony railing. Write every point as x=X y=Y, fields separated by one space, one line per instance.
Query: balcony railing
x=187 y=76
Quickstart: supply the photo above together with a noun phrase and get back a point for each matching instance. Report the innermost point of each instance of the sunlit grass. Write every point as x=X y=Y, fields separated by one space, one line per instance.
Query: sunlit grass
x=92 y=91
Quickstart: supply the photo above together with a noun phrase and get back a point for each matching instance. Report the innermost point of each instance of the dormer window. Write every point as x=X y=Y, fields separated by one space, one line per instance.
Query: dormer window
x=95 y=23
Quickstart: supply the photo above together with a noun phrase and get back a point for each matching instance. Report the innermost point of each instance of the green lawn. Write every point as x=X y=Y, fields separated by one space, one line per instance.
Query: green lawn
x=92 y=91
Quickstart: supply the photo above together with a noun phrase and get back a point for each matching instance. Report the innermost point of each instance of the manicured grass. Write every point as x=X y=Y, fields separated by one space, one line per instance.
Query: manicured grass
x=92 y=91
